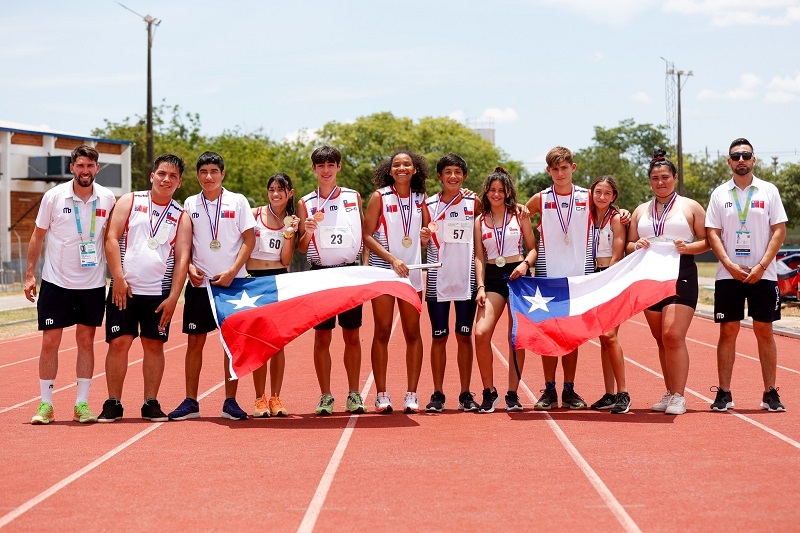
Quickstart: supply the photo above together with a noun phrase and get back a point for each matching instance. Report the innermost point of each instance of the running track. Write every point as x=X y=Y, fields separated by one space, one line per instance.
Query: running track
x=579 y=471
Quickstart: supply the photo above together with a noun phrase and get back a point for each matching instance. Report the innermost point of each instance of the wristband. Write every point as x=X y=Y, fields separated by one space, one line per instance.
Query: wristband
x=526 y=262
x=481 y=287
x=762 y=266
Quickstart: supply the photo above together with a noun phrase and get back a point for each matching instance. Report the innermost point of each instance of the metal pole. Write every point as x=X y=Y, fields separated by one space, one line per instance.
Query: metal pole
x=150 y=157
x=680 y=139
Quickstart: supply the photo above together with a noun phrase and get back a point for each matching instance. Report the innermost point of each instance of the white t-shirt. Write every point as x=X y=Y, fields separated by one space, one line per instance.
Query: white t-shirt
x=766 y=209
x=234 y=218
x=62 y=259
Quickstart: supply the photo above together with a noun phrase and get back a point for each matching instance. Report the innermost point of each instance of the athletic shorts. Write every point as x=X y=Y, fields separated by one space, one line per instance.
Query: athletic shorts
x=198 y=318
x=440 y=317
x=494 y=278
x=139 y=315
x=350 y=319
x=60 y=308
x=763 y=300
x=686 y=286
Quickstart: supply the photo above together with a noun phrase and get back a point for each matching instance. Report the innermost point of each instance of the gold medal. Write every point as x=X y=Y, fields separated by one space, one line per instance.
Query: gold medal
x=500 y=261
x=215 y=245
x=287 y=221
x=566 y=239
x=407 y=242
x=319 y=216
x=433 y=226
x=152 y=243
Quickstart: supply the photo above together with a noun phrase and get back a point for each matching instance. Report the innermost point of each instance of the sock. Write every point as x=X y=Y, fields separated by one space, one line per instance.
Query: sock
x=550 y=385
x=83 y=390
x=568 y=387
x=46 y=388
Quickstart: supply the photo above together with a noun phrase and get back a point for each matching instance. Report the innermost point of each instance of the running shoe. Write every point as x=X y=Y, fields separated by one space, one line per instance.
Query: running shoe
x=547 y=400
x=411 y=403
x=383 y=403
x=82 y=414
x=677 y=405
x=512 y=401
x=662 y=404
x=112 y=410
x=232 y=411
x=436 y=405
x=723 y=401
x=151 y=410
x=44 y=415
x=261 y=408
x=466 y=402
x=189 y=408
x=571 y=399
x=490 y=401
x=622 y=405
x=325 y=406
x=355 y=403
x=771 y=401
x=604 y=403
x=276 y=408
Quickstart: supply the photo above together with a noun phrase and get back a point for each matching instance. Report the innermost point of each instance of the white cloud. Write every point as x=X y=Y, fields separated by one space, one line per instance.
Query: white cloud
x=303 y=135
x=500 y=116
x=779 y=97
x=726 y=13
x=642 y=97
x=747 y=90
x=458 y=115
x=787 y=83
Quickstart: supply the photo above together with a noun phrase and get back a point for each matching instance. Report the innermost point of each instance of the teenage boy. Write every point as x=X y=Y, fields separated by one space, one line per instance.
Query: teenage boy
x=564 y=250
x=222 y=238
x=330 y=235
x=449 y=240
x=746 y=224
x=148 y=243
x=73 y=216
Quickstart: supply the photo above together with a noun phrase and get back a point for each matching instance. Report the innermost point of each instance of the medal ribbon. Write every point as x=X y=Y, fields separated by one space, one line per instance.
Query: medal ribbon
x=406 y=219
x=161 y=218
x=94 y=217
x=603 y=223
x=564 y=226
x=500 y=237
x=439 y=215
x=331 y=195
x=215 y=223
x=660 y=222
x=280 y=221
x=743 y=214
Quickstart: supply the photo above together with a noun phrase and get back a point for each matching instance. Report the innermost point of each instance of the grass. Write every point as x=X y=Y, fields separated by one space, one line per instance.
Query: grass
x=17 y=315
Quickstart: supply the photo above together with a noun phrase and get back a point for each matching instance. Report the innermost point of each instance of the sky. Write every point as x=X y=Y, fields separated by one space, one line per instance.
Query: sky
x=543 y=72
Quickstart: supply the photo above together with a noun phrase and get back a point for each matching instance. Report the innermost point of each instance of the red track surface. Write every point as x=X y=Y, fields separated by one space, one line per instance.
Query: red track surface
x=581 y=471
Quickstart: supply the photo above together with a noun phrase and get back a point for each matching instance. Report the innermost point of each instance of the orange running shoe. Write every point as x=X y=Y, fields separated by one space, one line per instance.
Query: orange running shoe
x=261 y=408
x=276 y=408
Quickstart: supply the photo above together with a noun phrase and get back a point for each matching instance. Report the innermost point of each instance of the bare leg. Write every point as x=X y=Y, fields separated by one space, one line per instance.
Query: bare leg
x=84 y=338
x=767 y=352
x=152 y=366
x=726 y=352
x=117 y=365
x=194 y=363
x=382 y=314
x=352 y=358
x=409 y=317
x=48 y=356
x=322 y=358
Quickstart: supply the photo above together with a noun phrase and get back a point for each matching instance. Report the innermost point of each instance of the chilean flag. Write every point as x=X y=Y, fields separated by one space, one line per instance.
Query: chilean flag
x=553 y=316
x=259 y=316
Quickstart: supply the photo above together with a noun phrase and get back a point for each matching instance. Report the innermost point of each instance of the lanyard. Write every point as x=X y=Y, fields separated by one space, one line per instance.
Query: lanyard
x=331 y=195
x=564 y=225
x=743 y=214
x=406 y=218
x=597 y=230
x=94 y=217
x=660 y=222
x=500 y=237
x=214 y=224
x=451 y=202
x=154 y=230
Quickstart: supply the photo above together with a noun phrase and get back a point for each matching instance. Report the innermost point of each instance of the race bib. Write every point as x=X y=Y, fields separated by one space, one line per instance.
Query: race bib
x=458 y=231
x=270 y=240
x=88 y=251
x=336 y=237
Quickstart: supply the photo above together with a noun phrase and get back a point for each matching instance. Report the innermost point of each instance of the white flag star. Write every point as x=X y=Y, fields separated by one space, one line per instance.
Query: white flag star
x=245 y=301
x=538 y=301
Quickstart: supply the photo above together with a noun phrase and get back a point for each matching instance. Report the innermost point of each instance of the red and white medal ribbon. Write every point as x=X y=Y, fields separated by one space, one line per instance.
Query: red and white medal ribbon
x=406 y=217
x=213 y=224
x=320 y=208
x=599 y=228
x=660 y=222
x=154 y=230
x=500 y=237
x=564 y=224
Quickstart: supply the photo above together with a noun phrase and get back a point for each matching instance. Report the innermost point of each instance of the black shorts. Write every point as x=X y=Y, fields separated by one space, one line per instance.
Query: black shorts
x=267 y=272
x=763 y=300
x=198 y=318
x=60 y=308
x=686 y=286
x=494 y=277
x=139 y=314
x=350 y=319
x=440 y=317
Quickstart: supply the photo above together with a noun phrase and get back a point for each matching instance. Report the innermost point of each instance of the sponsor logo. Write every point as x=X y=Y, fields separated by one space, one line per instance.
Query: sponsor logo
x=440 y=332
x=453 y=214
x=195 y=215
x=464 y=329
x=728 y=205
x=48 y=321
x=192 y=325
x=114 y=329
x=333 y=207
x=67 y=210
x=720 y=316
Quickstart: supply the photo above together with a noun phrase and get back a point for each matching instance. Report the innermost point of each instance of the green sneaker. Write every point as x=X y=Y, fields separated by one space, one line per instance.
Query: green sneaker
x=355 y=404
x=82 y=414
x=44 y=415
x=325 y=406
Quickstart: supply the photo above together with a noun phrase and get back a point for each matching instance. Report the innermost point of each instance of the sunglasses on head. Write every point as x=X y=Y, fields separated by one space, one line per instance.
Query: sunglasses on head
x=747 y=156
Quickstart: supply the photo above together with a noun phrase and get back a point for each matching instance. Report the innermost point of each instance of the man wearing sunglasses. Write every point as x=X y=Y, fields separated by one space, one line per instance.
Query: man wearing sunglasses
x=746 y=225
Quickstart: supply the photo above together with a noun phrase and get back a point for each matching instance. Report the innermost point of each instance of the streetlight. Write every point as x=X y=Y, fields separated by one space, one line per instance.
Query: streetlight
x=679 y=73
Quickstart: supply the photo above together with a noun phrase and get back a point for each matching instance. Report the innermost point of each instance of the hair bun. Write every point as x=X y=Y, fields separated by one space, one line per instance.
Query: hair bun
x=659 y=154
x=500 y=169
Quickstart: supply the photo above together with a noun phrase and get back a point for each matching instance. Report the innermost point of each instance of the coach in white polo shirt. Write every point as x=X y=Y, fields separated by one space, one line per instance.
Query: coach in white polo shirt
x=73 y=215
x=746 y=225
x=222 y=239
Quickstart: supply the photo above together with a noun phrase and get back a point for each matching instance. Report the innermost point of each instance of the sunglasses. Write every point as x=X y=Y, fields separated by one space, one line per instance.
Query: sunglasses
x=747 y=156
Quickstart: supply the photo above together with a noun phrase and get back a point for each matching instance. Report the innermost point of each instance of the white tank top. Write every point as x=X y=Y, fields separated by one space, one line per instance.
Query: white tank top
x=513 y=237
x=269 y=241
x=560 y=256
x=452 y=245
x=390 y=232
x=676 y=226
x=604 y=238
x=337 y=239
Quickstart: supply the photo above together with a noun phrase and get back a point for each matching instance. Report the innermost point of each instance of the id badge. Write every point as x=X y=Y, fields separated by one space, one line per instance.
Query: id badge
x=336 y=237
x=458 y=231
x=270 y=240
x=88 y=252
x=742 y=243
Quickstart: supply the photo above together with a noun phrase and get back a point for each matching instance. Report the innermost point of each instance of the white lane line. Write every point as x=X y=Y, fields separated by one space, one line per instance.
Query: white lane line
x=42 y=496
x=605 y=493
x=22 y=361
x=101 y=374
x=317 y=502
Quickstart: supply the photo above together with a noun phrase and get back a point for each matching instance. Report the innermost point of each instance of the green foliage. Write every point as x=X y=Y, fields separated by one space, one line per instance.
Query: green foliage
x=788 y=182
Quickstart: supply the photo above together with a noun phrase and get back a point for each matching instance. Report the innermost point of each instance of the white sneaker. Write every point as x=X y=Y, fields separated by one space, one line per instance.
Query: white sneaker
x=383 y=403
x=677 y=405
x=662 y=404
x=411 y=404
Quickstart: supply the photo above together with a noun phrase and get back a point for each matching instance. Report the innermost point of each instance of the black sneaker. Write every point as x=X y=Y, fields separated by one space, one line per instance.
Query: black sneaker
x=723 y=401
x=622 y=405
x=547 y=400
x=151 y=410
x=490 y=401
x=572 y=400
x=466 y=402
x=232 y=411
x=436 y=405
x=112 y=410
x=771 y=401
x=604 y=403
x=512 y=401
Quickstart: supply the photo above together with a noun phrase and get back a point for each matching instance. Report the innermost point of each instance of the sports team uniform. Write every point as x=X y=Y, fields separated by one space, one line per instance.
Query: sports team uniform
x=73 y=275
x=561 y=253
x=336 y=242
x=392 y=228
x=451 y=244
x=511 y=240
x=217 y=229
x=604 y=241
x=147 y=249
x=269 y=242
x=745 y=243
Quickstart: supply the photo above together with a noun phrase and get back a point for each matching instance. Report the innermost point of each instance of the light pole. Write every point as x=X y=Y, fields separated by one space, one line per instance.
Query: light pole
x=680 y=73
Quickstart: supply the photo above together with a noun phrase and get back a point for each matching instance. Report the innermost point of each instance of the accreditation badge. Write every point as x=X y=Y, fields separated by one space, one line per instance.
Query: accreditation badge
x=88 y=251
x=742 y=243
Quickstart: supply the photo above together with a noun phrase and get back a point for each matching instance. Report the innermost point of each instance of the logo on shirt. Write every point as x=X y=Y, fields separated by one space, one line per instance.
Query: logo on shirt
x=100 y=213
x=391 y=209
x=550 y=205
x=486 y=236
x=228 y=214
x=67 y=210
x=140 y=208
x=757 y=204
x=195 y=215
x=171 y=218
x=580 y=205
x=467 y=211
x=728 y=205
